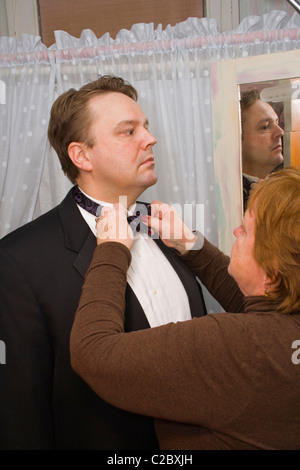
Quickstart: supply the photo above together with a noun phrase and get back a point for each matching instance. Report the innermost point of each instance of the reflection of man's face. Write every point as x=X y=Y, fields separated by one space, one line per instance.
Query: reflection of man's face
x=261 y=140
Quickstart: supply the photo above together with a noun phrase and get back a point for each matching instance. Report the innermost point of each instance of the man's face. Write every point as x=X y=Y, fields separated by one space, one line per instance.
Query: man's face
x=261 y=140
x=122 y=155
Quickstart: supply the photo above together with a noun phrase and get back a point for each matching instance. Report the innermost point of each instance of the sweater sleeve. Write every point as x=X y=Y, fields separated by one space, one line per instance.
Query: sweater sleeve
x=152 y=371
x=210 y=265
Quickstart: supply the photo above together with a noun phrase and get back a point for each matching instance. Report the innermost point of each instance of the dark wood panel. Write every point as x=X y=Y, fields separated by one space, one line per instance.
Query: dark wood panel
x=102 y=16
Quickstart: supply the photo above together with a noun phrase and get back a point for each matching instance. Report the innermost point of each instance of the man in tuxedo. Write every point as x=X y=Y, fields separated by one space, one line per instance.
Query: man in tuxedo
x=261 y=140
x=101 y=137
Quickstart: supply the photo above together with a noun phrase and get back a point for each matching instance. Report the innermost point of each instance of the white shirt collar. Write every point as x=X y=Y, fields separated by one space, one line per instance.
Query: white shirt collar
x=250 y=177
x=108 y=204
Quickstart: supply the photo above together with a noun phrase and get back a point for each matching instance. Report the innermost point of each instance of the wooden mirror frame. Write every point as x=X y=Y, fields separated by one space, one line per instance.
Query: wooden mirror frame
x=226 y=78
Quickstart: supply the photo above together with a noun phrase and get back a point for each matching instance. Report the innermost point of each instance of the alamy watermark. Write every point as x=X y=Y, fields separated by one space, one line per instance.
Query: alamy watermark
x=2 y=352
x=296 y=354
x=192 y=216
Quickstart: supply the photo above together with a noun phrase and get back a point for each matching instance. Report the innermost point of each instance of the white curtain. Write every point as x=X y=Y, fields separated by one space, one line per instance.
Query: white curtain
x=170 y=69
x=28 y=81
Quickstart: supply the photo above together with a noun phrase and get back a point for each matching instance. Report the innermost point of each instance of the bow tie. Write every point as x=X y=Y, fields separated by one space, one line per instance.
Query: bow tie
x=94 y=208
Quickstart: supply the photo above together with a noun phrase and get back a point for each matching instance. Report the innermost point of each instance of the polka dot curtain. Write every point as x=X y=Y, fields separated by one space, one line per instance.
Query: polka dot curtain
x=28 y=94
x=170 y=69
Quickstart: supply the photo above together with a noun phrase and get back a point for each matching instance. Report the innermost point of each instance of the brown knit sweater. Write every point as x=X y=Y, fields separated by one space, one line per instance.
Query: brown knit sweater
x=224 y=381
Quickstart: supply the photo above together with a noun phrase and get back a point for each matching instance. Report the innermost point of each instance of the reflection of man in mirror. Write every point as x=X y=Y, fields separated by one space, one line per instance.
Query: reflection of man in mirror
x=261 y=139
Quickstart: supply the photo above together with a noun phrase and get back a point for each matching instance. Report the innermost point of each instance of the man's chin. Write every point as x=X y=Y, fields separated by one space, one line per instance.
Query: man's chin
x=152 y=180
x=278 y=164
x=279 y=159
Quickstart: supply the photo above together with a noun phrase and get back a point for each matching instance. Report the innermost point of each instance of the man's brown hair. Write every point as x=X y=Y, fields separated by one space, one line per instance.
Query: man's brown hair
x=248 y=98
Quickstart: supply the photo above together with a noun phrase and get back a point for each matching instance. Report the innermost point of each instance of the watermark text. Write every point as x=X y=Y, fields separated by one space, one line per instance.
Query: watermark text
x=296 y=354
x=2 y=352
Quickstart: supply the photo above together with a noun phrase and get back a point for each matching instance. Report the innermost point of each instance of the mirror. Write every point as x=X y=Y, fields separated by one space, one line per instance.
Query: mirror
x=270 y=127
x=229 y=78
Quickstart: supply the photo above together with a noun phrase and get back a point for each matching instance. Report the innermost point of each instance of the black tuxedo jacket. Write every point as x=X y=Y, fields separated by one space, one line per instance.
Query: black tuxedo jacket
x=43 y=403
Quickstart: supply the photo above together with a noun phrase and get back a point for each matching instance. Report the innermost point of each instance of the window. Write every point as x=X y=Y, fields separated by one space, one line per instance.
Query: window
x=102 y=16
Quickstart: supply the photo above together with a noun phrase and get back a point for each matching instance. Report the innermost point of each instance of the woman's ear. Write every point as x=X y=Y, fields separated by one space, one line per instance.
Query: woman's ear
x=271 y=284
x=78 y=154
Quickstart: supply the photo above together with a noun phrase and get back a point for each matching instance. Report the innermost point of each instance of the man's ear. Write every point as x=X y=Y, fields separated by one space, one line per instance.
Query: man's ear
x=78 y=154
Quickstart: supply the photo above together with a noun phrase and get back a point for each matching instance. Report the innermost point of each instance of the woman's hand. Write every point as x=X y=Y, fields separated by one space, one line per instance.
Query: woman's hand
x=112 y=226
x=165 y=221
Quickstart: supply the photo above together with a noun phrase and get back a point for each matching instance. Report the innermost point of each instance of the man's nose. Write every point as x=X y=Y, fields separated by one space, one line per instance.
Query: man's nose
x=278 y=131
x=149 y=139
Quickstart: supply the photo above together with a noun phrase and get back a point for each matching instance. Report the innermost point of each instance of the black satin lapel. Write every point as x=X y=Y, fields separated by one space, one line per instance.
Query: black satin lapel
x=75 y=228
x=85 y=255
x=77 y=233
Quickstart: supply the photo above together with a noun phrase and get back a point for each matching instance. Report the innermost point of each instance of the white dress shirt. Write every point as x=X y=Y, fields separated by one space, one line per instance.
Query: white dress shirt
x=152 y=278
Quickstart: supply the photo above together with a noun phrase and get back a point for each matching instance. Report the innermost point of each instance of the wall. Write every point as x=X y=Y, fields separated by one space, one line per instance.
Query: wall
x=111 y=15
x=21 y=16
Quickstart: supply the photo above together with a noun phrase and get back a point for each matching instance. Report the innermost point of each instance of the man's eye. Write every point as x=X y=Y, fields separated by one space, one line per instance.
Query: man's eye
x=129 y=132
